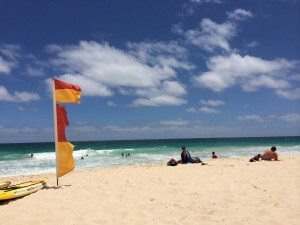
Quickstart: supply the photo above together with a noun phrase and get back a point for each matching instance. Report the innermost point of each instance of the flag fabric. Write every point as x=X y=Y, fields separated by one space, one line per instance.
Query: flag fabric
x=65 y=160
x=64 y=148
x=62 y=122
x=66 y=92
x=63 y=93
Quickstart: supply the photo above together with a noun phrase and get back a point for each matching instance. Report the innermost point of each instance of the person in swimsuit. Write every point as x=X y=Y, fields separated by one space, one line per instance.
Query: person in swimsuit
x=213 y=155
x=267 y=155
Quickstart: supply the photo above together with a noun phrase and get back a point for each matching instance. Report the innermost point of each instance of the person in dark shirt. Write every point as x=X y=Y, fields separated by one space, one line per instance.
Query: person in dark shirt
x=185 y=155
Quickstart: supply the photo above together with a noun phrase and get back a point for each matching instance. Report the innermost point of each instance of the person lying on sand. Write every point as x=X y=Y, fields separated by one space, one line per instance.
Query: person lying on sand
x=267 y=155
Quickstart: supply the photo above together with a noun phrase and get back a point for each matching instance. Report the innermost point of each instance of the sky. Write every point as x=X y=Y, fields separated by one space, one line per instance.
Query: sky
x=151 y=69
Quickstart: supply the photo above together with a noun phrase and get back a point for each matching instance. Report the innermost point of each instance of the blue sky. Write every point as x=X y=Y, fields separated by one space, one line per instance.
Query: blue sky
x=151 y=69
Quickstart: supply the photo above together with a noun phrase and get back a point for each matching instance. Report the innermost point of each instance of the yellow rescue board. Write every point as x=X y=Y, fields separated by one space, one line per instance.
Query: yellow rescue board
x=19 y=190
x=4 y=184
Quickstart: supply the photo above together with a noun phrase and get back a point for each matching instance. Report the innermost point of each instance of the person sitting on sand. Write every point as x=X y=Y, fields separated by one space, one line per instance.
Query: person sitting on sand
x=267 y=155
x=213 y=155
x=187 y=158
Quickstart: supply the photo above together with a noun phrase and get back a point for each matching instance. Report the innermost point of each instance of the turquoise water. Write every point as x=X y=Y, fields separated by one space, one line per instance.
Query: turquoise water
x=15 y=159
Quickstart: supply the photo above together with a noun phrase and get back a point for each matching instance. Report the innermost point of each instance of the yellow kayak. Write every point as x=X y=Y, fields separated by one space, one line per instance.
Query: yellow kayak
x=4 y=184
x=22 y=189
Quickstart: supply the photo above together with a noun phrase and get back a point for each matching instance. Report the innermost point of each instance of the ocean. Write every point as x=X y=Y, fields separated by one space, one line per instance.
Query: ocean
x=15 y=159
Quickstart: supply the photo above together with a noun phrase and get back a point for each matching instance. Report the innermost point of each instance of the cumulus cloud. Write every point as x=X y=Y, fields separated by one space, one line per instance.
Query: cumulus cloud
x=211 y=36
x=249 y=72
x=17 y=96
x=212 y=102
x=168 y=93
x=208 y=110
x=147 y=70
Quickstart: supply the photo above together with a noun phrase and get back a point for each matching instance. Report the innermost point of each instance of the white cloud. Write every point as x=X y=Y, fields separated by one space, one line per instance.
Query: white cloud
x=168 y=93
x=252 y=44
x=10 y=51
x=17 y=96
x=205 y=109
x=159 y=100
x=178 y=122
x=239 y=14
x=292 y=117
x=111 y=104
x=192 y=110
x=22 y=109
x=250 y=117
x=248 y=71
x=265 y=81
x=5 y=66
x=289 y=94
x=147 y=70
x=212 y=102
x=211 y=35
x=208 y=110
x=8 y=57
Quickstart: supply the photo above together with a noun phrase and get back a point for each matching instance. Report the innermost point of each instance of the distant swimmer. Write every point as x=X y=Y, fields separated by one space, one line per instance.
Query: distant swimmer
x=122 y=154
x=81 y=157
x=31 y=155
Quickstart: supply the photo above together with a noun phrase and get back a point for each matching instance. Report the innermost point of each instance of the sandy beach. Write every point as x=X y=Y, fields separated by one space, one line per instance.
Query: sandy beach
x=226 y=191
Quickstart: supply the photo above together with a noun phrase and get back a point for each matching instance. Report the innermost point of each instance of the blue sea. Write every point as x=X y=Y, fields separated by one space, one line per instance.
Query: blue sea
x=15 y=159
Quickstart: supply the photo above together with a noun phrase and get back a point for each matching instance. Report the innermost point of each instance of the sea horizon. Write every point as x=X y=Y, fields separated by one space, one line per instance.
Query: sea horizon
x=143 y=139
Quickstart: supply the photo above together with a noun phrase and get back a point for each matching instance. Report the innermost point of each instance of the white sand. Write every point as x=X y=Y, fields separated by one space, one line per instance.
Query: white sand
x=226 y=191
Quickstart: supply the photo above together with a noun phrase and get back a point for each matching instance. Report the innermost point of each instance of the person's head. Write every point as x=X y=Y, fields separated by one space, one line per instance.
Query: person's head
x=213 y=153
x=273 y=149
x=183 y=148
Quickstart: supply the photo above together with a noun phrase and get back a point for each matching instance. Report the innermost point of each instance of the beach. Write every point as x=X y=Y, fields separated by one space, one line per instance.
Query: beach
x=225 y=191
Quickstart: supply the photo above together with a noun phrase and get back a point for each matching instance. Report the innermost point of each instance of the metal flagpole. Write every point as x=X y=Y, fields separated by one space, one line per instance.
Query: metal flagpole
x=55 y=128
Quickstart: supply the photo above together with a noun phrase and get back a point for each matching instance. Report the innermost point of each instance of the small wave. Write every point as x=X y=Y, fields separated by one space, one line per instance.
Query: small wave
x=44 y=156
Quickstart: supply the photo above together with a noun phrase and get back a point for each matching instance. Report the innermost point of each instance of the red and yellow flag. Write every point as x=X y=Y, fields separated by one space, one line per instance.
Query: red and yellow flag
x=66 y=92
x=64 y=148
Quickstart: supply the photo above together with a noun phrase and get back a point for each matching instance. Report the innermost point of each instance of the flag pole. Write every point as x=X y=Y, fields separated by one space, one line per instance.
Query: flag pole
x=55 y=128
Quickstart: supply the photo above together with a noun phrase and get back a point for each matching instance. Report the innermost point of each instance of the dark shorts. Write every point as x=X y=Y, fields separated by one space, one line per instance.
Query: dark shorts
x=256 y=157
